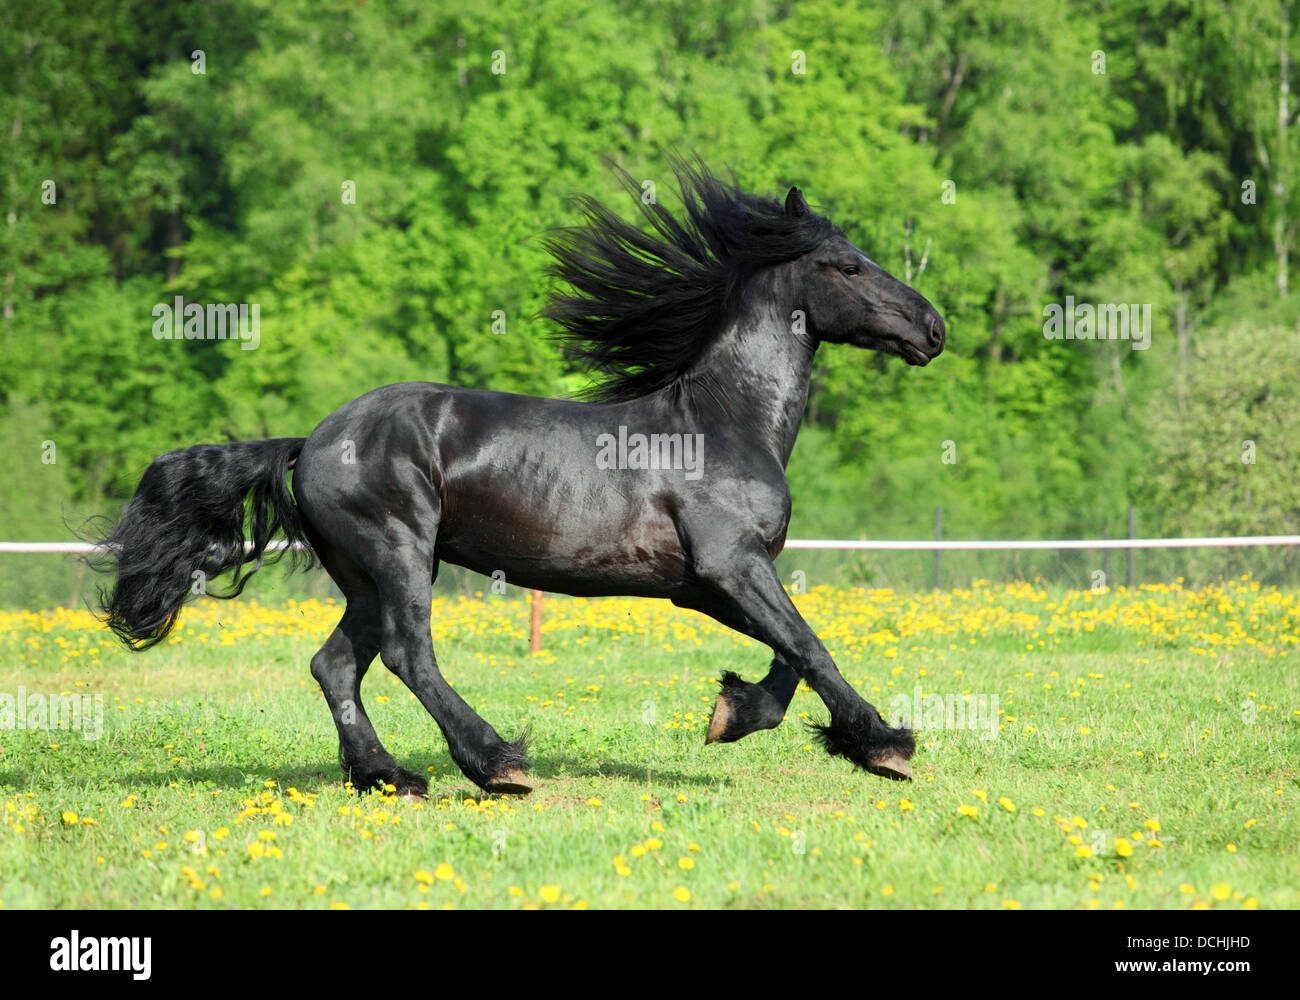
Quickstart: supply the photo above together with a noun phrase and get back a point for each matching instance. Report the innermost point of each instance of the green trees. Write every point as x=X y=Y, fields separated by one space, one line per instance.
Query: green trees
x=375 y=178
x=1229 y=456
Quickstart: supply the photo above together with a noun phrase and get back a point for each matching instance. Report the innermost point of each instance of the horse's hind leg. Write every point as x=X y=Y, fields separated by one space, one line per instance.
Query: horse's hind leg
x=407 y=650
x=339 y=667
x=385 y=549
x=401 y=561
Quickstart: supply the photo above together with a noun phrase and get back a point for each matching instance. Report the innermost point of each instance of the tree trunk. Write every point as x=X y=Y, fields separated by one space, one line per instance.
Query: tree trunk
x=1184 y=338
x=1281 y=234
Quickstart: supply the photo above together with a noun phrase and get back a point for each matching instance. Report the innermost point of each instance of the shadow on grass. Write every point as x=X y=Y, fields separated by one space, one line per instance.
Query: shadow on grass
x=308 y=777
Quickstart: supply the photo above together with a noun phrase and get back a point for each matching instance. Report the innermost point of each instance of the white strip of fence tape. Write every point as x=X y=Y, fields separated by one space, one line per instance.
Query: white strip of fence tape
x=921 y=545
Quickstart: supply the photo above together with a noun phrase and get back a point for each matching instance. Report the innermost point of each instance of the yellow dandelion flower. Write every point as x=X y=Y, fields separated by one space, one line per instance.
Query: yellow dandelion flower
x=681 y=894
x=549 y=893
x=1220 y=890
x=1124 y=847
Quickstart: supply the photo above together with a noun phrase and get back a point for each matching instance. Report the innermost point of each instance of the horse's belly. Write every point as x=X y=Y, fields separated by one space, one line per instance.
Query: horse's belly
x=574 y=550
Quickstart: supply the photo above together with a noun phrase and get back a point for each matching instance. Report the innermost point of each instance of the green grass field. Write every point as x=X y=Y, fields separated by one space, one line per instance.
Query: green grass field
x=1145 y=754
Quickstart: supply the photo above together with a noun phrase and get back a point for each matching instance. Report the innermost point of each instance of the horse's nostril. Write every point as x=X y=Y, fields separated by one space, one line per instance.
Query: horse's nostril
x=936 y=331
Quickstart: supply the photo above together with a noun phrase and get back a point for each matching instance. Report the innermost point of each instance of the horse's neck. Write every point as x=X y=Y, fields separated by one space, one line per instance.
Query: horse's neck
x=757 y=372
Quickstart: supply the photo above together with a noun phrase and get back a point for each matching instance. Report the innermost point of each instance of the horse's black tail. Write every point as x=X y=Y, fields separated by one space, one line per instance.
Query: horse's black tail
x=185 y=527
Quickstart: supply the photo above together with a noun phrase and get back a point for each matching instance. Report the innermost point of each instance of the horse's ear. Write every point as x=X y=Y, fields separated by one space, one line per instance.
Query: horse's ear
x=795 y=205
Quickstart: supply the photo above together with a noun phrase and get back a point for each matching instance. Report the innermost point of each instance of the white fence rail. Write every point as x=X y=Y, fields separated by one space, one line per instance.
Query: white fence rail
x=935 y=545
x=872 y=544
x=917 y=545
x=946 y=545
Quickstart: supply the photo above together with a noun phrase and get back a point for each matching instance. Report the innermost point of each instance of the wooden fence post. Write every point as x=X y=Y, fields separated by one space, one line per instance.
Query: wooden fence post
x=1132 y=553
x=938 y=553
x=535 y=623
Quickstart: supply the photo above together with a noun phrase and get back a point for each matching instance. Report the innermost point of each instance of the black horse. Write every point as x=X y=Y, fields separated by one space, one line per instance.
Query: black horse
x=669 y=482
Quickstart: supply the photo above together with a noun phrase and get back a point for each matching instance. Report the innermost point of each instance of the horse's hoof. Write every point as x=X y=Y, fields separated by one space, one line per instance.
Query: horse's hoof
x=408 y=783
x=718 y=722
x=513 y=782
x=894 y=768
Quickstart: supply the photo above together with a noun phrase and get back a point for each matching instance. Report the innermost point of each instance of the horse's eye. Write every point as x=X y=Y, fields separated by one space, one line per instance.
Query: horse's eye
x=850 y=270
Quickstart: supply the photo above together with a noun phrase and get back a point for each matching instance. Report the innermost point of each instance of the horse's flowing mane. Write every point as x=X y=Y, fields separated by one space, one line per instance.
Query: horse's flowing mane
x=645 y=303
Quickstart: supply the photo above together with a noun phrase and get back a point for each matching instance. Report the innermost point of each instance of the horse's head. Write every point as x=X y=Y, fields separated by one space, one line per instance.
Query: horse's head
x=850 y=299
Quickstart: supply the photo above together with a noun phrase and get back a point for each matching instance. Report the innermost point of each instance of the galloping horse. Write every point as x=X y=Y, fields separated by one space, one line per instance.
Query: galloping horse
x=702 y=329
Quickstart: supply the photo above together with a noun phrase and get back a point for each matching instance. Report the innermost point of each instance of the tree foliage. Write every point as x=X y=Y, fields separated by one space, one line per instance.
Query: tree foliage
x=377 y=178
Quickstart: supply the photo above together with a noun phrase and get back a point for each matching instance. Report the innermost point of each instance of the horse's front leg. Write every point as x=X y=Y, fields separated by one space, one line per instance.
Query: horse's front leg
x=743 y=708
x=745 y=593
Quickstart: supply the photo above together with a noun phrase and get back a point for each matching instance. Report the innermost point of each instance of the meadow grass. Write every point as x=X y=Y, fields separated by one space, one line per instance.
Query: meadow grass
x=1143 y=754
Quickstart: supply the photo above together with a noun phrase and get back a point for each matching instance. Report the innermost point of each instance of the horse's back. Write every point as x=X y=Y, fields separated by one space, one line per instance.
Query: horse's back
x=498 y=482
